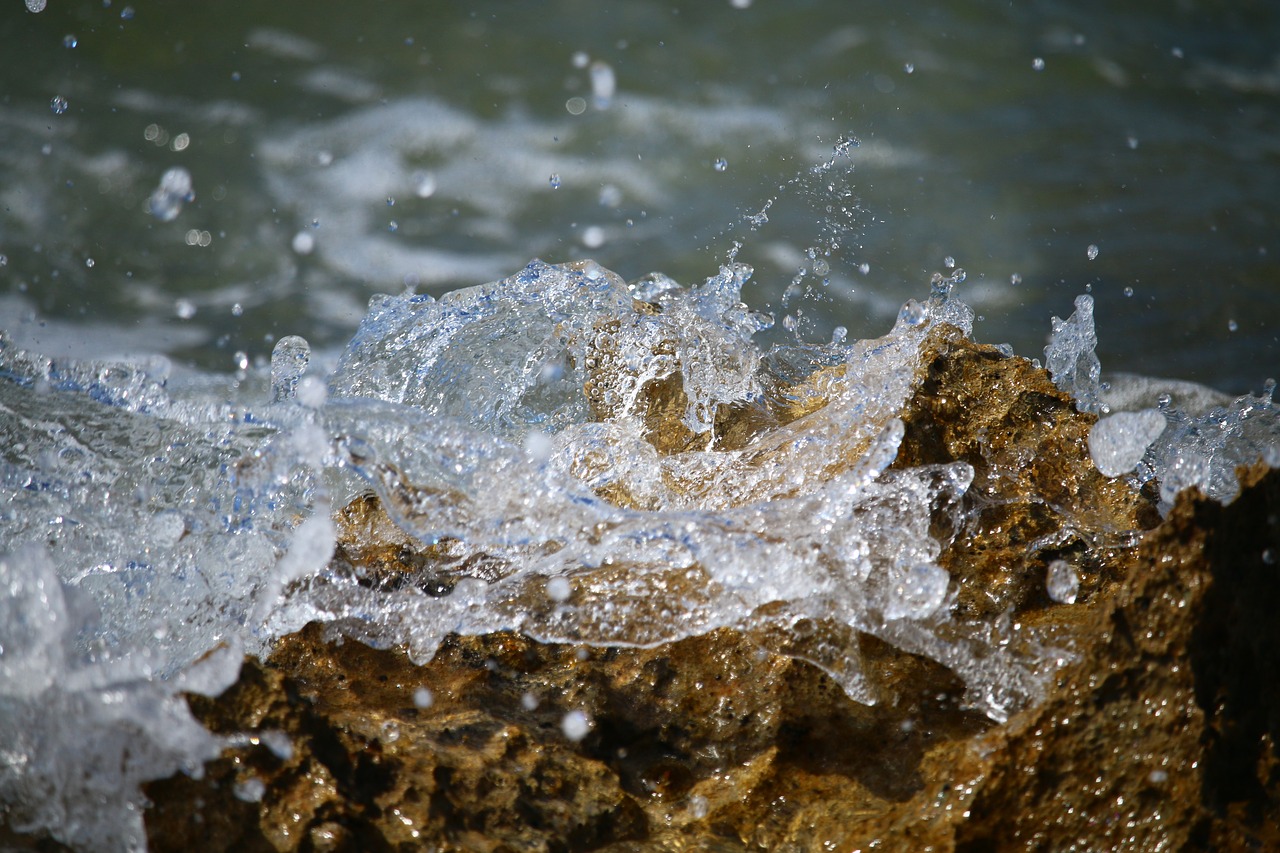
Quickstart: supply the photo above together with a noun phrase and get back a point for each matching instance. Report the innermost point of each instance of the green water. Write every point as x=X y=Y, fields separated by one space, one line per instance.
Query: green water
x=1151 y=131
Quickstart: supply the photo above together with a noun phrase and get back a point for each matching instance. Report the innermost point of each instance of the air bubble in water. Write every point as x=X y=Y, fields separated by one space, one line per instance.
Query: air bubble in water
x=1037 y=64
x=1091 y=252
x=554 y=180
x=58 y=105
x=289 y=359
x=603 y=84
x=720 y=164
x=918 y=593
x=175 y=190
x=1061 y=582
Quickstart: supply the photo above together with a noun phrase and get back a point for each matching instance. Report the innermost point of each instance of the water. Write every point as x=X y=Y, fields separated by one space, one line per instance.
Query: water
x=195 y=379
x=1148 y=133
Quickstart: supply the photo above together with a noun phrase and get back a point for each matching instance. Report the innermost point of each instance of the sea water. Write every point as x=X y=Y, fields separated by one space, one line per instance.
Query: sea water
x=199 y=204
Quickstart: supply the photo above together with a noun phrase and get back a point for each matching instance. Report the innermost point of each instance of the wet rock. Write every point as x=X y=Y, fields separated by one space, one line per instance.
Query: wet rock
x=1159 y=731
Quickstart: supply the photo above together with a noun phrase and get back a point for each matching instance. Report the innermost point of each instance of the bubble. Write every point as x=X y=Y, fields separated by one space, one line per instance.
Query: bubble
x=289 y=359
x=422 y=697
x=36 y=5
x=174 y=191
x=185 y=309
x=720 y=164
x=554 y=180
x=593 y=237
x=575 y=725
x=603 y=84
x=1037 y=64
x=180 y=142
x=69 y=41
x=58 y=105
x=918 y=593
x=1091 y=252
x=576 y=106
x=1061 y=582
x=559 y=589
x=303 y=242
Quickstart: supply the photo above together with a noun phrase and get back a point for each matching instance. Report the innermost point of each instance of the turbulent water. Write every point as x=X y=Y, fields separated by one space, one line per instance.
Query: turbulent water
x=198 y=205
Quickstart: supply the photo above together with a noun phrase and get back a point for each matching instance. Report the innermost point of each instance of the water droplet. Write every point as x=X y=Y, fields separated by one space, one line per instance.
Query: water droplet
x=576 y=106
x=88 y=262
x=1015 y=279
x=304 y=242
x=58 y=105
x=603 y=84
x=559 y=589
x=424 y=184
x=593 y=237
x=36 y=5
x=575 y=725
x=180 y=142
x=1132 y=142
x=174 y=191
x=237 y=310
x=698 y=806
x=289 y=359
x=4 y=260
x=913 y=313
x=391 y=202
x=554 y=181
x=838 y=335
x=422 y=697
x=1269 y=556
x=949 y=262
x=580 y=59
x=241 y=360
x=1091 y=252
x=1232 y=326
x=126 y=14
x=69 y=41
x=918 y=593
x=910 y=68
x=864 y=268
x=740 y=4
x=1128 y=291
x=185 y=309
x=1037 y=64
x=393 y=226
x=720 y=164
x=1061 y=582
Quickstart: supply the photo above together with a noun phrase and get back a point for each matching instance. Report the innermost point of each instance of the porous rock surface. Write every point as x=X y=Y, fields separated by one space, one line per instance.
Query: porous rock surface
x=1160 y=733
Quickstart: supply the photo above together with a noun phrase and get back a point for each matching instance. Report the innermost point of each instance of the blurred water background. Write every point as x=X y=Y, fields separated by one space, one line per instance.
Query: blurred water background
x=337 y=150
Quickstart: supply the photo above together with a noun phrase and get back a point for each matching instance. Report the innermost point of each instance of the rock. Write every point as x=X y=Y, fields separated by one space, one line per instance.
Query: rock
x=1158 y=733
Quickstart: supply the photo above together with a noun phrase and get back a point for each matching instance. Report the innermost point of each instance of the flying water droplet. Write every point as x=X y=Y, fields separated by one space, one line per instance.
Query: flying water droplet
x=1091 y=252
x=58 y=105
x=913 y=313
x=575 y=725
x=1037 y=64
x=1061 y=582
x=69 y=41
x=36 y=6
x=185 y=309
x=1015 y=279
x=603 y=84
x=720 y=164
x=949 y=262
x=918 y=593
x=289 y=359
x=174 y=191
x=910 y=68
x=1232 y=326
x=1128 y=291
x=554 y=180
